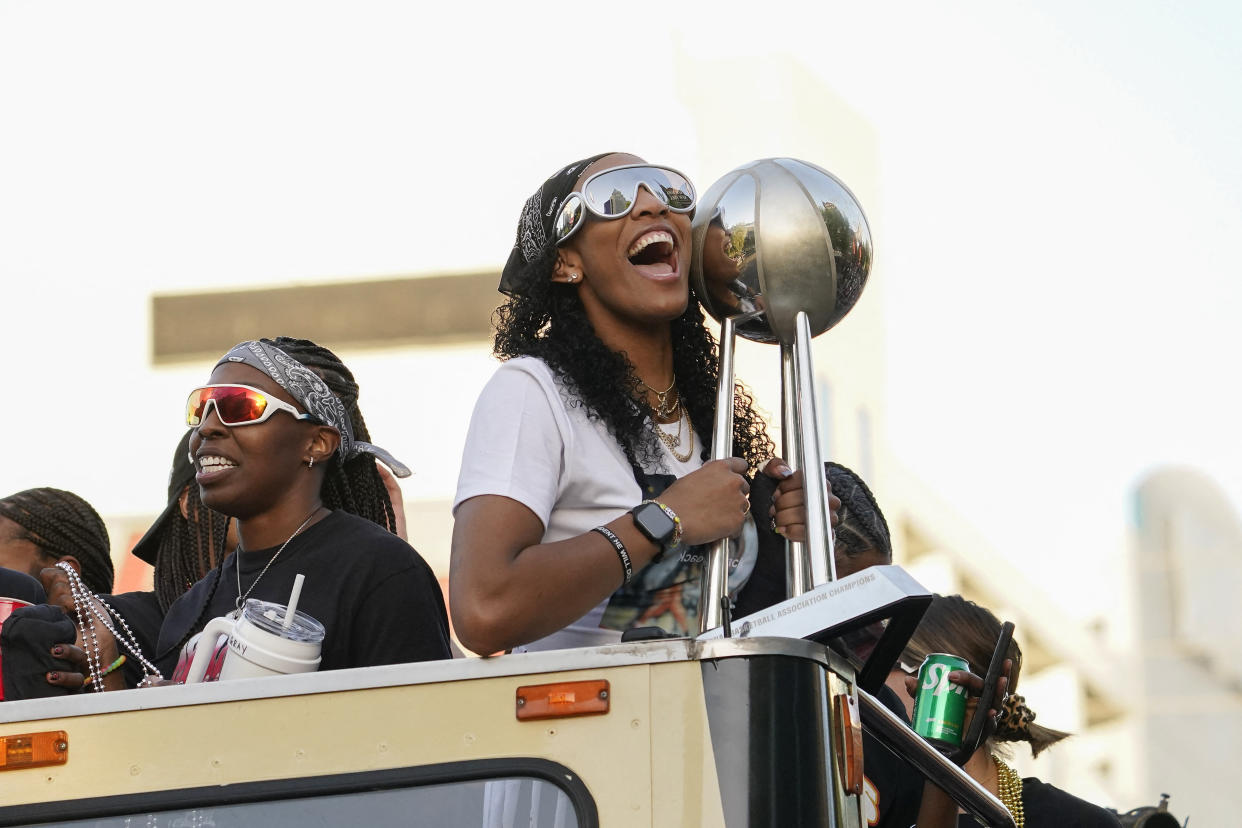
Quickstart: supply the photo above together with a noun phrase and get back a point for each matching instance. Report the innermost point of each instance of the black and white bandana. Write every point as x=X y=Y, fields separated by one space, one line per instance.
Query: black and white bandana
x=534 y=231
x=313 y=394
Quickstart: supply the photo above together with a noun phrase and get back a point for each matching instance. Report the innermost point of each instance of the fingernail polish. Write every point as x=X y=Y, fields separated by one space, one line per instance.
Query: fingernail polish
x=58 y=650
x=53 y=676
x=784 y=471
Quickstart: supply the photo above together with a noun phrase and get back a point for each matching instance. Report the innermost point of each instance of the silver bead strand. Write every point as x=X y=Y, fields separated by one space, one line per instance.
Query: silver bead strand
x=83 y=597
x=86 y=626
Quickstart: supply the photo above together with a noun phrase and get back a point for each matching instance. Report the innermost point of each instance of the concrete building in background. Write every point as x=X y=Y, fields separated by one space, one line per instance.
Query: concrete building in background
x=1187 y=635
x=1143 y=688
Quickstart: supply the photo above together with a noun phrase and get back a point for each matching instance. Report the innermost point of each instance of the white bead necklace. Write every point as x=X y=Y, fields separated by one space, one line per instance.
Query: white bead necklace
x=86 y=606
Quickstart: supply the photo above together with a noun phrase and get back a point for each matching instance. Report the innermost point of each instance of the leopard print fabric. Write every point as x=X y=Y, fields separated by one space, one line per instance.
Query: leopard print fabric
x=1014 y=722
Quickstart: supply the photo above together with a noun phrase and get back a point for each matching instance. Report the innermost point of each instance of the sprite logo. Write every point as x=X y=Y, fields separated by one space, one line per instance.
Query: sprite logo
x=937 y=680
x=940 y=705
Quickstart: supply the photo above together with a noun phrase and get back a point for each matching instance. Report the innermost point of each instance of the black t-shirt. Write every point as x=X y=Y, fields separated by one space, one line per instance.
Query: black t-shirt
x=376 y=597
x=141 y=611
x=1047 y=806
x=892 y=789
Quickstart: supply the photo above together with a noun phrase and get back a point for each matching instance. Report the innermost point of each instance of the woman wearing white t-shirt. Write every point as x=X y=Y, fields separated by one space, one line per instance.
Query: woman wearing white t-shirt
x=583 y=490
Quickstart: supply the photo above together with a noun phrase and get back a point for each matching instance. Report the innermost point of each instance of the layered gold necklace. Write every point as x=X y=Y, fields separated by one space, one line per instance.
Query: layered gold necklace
x=1009 y=784
x=664 y=409
x=674 y=442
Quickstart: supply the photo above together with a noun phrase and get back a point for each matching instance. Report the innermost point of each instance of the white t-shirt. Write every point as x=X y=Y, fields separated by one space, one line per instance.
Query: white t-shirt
x=526 y=443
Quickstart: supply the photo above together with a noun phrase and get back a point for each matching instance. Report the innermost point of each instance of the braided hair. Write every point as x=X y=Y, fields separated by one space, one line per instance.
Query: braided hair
x=62 y=524
x=190 y=546
x=954 y=625
x=862 y=525
x=353 y=485
x=547 y=320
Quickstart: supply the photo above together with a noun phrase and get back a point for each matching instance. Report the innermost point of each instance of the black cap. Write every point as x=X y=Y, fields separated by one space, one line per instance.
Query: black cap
x=182 y=475
x=19 y=585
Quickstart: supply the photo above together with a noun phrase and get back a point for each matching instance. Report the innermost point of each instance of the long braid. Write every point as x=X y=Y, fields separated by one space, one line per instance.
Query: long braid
x=355 y=485
x=189 y=548
x=62 y=524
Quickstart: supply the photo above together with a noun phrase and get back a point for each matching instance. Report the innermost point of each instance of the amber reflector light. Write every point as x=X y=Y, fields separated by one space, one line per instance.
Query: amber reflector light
x=849 y=743
x=31 y=750
x=561 y=700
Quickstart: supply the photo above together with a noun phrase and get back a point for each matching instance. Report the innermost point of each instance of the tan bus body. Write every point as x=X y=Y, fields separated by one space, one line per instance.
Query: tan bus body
x=717 y=733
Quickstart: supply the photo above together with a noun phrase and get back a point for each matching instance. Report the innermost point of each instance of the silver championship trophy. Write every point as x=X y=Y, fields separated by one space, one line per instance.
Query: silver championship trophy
x=782 y=251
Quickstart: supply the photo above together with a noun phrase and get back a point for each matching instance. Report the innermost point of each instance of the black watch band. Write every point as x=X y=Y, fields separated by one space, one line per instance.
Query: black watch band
x=654 y=523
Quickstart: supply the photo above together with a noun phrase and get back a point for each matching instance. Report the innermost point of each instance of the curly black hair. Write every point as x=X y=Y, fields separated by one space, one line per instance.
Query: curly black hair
x=547 y=320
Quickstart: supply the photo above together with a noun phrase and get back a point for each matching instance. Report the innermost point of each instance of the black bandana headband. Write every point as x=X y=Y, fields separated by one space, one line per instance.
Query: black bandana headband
x=534 y=231
x=313 y=394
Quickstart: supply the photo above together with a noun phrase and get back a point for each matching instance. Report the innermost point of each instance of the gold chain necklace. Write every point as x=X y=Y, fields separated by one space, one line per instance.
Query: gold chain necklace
x=1010 y=786
x=663 y=409
x=673 y=442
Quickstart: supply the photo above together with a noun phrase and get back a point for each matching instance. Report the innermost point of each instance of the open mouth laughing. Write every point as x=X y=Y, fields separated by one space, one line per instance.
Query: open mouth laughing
x=654 y=254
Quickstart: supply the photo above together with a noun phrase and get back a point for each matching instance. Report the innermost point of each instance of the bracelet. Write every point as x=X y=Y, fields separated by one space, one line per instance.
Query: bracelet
x=111 y=668
x=622 y=552
x=676 y=539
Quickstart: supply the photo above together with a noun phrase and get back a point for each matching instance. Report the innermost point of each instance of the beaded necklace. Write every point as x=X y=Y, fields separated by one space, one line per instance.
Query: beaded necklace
x=87 y=608
x=1010 y=786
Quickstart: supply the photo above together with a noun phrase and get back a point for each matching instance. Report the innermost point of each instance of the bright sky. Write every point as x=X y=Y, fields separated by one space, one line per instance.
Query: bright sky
x=1062 y=199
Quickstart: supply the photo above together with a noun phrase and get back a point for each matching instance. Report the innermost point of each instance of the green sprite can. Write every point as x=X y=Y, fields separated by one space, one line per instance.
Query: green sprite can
x=939 y=704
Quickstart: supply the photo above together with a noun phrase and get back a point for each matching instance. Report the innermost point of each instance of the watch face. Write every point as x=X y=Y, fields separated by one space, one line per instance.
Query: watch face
x=652 y=522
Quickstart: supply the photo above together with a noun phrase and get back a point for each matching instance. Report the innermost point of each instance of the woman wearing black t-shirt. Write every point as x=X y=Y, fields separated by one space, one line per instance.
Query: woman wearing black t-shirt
x=955 y=625
x=279 y=445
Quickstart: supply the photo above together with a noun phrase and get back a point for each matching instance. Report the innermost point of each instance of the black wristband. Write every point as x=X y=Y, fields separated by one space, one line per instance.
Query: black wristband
x=622 y=552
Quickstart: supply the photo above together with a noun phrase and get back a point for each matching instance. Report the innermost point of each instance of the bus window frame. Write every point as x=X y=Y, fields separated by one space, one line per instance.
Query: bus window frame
x=310 y=787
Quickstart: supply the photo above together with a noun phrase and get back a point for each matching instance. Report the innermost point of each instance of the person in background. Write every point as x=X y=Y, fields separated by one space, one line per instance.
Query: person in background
x=41 y=527
x=35 y=640
x=954 y=625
